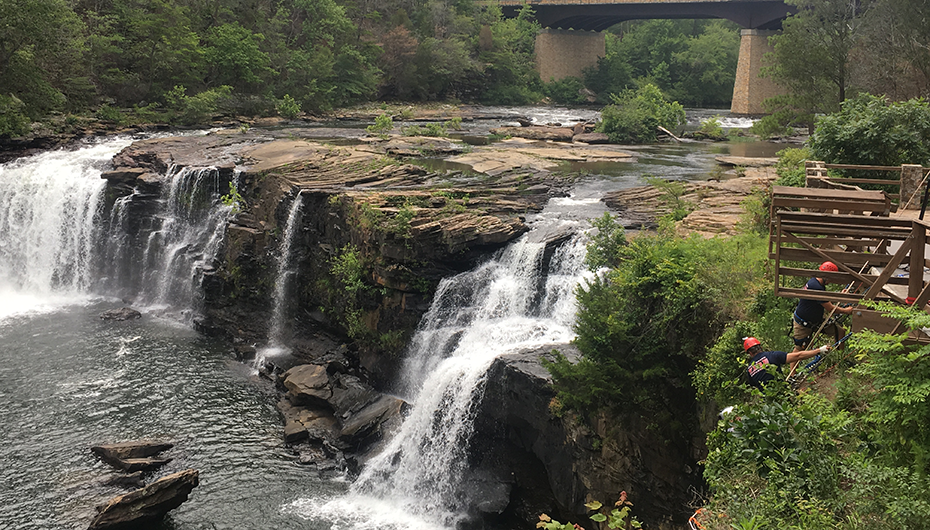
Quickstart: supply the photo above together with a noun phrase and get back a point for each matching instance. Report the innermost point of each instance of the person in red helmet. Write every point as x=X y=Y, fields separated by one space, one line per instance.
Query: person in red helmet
x=759 y=360
x=808 y=315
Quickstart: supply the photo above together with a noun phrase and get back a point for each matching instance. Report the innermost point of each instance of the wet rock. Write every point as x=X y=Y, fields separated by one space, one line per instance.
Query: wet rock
x=349 y=394
x=308 y=384
x=591 y=138
x=146 y=505
x=536 y=132
x=119 y=315
x=369 y=423
x=116 y=454
x=132 y=480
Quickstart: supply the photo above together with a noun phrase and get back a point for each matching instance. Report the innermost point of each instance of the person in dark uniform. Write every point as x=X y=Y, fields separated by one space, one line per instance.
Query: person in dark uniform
x=808 y=315
x=758 y=360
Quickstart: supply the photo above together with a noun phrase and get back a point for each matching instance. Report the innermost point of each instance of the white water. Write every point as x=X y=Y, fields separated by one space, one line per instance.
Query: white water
x=50 y=207
x=511 y=303
x=281 y=287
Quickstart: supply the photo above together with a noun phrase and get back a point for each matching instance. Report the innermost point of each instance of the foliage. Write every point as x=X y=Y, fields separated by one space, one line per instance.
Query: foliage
x=711 y=129
x=619 y=517
x=382 y=126
x=604 y=247
x=566 y=91
x=694 y=61
x=643 y=326
x=288 y=107
x=635 y=116
x=672 y=191
x=756 y=216
x=13 y=122
x=430 y=129
x=871 y=130
x=233 y=199
x=813 y=53
x=790 y=167
x=189 y=110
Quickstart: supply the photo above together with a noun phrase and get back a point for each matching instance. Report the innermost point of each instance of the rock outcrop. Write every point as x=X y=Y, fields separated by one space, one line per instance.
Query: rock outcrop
x=556 y=463
x=133 y=456
x=146 y=505
x=121 y=314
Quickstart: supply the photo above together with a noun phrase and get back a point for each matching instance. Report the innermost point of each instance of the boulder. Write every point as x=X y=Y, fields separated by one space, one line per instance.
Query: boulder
x=124 y=313
x=308 y=384
x=536 y=132
x=368 y=424
x=113 y=453
x=591 y=138
x=148 y=504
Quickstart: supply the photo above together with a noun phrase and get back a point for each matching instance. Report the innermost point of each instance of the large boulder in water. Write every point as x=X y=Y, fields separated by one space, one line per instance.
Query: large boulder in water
x=148 y=504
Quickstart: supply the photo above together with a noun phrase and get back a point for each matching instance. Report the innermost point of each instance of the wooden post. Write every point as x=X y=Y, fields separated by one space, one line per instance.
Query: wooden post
x=915 y=282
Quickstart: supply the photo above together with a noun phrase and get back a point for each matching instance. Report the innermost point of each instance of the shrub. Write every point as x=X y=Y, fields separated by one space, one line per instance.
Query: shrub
x=790 y=167
x=190 y=110
x=635 y=116
x=382 y=126
x=288 y=107
x=566 y=91
x=871 y=130
x=13 y=120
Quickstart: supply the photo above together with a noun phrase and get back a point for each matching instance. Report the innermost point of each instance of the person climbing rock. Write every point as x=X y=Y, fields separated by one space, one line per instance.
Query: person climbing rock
x=759 y=360
x=808 y=315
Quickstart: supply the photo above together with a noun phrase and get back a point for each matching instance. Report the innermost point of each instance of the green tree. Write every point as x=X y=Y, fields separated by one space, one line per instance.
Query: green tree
x=233 y=57
x=871 y=130
x=634 y=117
x=40 y=53
x=812 y=55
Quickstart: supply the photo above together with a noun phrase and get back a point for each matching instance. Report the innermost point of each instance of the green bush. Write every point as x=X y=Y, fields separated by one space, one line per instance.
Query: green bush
x=197 y=109
x=790 y=167
x=382 y=126
x=872 y=130
x=566 y=91
x=288 y=107
x=634 y=117
x=13 y=120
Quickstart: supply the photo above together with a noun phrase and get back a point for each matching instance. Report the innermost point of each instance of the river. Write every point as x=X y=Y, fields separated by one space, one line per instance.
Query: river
x=69 y=380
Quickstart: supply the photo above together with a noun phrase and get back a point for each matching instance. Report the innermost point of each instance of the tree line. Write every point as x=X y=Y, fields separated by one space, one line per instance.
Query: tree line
x=261 y=57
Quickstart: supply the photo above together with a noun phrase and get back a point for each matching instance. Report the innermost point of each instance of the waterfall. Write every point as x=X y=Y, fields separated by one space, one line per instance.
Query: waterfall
x=193 y=223
x=281 y=286
x=510 y=303
x=51 y=206
x=58 y=244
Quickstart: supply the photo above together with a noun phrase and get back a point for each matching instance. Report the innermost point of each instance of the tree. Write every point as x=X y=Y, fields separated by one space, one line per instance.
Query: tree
x=872 y=130
x=894 y=56
x=233 y=57
x=812 y=53
x=40 y=51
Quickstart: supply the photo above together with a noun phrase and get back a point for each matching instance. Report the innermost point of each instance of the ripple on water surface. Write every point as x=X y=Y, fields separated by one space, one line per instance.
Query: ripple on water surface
x=71 y=381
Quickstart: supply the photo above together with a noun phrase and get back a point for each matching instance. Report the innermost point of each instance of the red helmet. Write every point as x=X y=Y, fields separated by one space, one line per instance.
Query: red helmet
x=829 y=266
x=749 y=342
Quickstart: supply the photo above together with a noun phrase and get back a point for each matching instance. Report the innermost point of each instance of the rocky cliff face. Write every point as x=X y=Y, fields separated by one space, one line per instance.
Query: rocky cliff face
x=373 y=239
x=556 y=463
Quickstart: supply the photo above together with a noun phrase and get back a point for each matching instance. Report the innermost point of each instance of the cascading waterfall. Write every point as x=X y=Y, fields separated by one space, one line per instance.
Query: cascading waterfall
x=193 y=223
x=281 y=287
x=475 y=317
x=51 y=206
x=58 y=244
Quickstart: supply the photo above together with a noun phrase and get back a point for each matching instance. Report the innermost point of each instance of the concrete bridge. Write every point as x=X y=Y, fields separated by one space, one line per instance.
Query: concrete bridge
x=572 y=40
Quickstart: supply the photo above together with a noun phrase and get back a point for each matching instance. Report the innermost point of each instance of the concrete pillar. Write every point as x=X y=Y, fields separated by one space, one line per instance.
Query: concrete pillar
x=750 y=89
x=566 y=52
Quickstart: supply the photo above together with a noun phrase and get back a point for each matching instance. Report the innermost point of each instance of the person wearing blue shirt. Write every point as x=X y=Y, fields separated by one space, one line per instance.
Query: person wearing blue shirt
x=759 y=360
x=808 y=315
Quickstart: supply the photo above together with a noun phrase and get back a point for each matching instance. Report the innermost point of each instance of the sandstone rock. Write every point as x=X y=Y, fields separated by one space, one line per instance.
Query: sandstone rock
x=308 y=384
x=367 y=424
x=115 y=453
x=591 y=138
x=148 y=504
x=125 y=313
x=536 y=132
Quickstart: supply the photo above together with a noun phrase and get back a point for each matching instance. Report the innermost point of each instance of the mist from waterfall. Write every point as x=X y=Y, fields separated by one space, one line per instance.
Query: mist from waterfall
x=51 y=206
x=58 y=245
x=513 y=302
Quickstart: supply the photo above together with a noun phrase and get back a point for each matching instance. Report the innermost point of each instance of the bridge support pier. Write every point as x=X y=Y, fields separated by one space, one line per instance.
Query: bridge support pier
x=566 y=53
x=750 y=89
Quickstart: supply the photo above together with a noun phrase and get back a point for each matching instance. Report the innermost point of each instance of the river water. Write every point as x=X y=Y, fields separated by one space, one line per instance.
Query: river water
x=69 y=380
